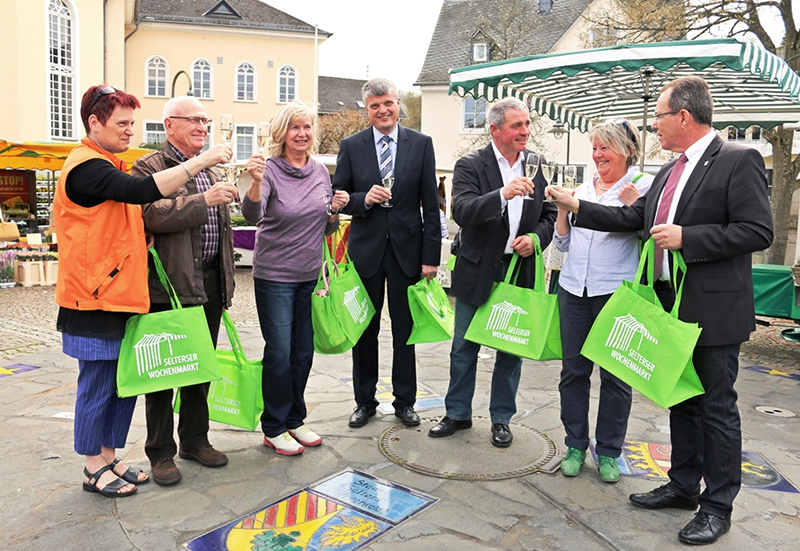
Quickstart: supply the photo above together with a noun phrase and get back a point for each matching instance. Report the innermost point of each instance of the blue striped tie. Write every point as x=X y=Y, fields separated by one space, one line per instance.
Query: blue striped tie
x=386 y=157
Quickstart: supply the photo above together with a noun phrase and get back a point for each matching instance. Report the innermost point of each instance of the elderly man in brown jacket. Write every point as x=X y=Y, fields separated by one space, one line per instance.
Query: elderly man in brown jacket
x=192 y=229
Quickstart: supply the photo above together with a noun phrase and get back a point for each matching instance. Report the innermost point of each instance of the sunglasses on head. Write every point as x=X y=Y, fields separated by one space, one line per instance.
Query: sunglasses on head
x=624 y=124
x=102 y=91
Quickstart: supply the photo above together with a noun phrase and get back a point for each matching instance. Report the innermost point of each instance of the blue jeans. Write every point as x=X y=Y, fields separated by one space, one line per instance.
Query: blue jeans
x=463 y=367
x=577 y=314
x=284 y=313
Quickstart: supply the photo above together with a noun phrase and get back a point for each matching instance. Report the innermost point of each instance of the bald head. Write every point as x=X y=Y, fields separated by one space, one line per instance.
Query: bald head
x=183 y=123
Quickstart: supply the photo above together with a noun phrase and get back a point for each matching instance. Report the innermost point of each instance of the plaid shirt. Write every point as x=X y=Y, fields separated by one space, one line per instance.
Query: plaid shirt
x=210 y=231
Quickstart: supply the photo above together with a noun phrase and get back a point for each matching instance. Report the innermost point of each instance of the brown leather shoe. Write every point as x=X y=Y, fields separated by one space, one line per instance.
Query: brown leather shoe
x=206 y=455
x=165 y=472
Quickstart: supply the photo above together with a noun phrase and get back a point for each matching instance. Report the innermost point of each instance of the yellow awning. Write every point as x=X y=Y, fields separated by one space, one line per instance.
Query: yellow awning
x=48 y=156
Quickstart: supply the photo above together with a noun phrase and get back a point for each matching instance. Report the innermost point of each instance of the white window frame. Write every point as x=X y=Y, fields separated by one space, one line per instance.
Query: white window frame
x=464 y=127
x=154 y=133
x=164 y=70
x=209 y=69
x=245 y=154
x=62 y=100
x=241 y=73
x=296 y=82
x=480 y=47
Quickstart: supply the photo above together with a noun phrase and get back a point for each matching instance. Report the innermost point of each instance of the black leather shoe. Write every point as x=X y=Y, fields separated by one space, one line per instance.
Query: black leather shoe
x=448 y=426
x=407 y=416
x=501 y=435
x=704 y=528
x=360 y=416
x=662 y=498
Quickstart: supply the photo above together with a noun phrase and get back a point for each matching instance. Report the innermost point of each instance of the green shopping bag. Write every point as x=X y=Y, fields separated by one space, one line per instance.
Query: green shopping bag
x=340 y=306
x=167 y=349
x=431 y=312
x=518 y=321
x=634 y=339
x=236 y=398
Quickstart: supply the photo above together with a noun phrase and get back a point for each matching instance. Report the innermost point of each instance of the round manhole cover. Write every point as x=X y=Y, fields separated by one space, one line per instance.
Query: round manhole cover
x=469 y=454
x=775 y=412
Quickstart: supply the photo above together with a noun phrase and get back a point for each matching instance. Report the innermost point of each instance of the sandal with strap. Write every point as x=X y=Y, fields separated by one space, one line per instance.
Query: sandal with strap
x=131 y=476
x=112 y=489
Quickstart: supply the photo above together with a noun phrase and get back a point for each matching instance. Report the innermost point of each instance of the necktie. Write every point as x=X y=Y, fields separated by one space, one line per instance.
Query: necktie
x=386 y=157
x=663 y=208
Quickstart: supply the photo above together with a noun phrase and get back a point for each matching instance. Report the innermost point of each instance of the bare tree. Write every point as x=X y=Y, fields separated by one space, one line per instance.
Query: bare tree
x=513 y=27
x=412 y=106
x=337 y=126
x=656 y=20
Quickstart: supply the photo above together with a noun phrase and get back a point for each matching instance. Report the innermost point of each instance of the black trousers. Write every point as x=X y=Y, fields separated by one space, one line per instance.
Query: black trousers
x=390 y=279
x=706 y=431
x=193 y=419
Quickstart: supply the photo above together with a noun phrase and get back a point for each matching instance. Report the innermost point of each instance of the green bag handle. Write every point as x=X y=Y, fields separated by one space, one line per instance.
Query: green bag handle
x=678 y=268
x=162 y=276
x=439 y=297
x=328 y=266
x=233 y=337
x=512 y=274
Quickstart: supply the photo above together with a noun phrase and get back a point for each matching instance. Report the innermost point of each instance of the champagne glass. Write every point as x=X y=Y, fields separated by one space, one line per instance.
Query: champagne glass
x=548 y=171
x=328 y=200
x=387 y=182
x=263 y=137
x=532 y=162
x=226 y=128
x=570 y=177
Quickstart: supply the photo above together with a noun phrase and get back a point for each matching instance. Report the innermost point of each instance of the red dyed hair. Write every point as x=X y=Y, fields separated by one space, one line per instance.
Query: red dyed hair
x=105 y=105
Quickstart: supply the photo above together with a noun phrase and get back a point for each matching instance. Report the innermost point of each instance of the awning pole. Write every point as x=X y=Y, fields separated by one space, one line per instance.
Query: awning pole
x=646 y=99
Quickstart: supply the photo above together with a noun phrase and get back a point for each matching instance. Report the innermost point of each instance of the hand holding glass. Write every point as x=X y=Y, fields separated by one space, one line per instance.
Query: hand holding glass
x=387 y=182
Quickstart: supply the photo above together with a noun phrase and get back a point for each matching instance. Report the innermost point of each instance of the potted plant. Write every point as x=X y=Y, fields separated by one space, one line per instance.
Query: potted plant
x=7 y=258
x=796 y=272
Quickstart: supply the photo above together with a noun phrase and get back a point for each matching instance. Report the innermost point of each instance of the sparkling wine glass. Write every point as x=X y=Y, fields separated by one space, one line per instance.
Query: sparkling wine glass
x=532 y=162
x=548 y=172
x=262 y=136
x=226 y=128
x=387 y=182
x=570 y=177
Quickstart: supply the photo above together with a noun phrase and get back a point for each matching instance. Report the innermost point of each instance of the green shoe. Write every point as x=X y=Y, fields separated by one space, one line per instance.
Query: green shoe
x=572 y=462
x=609 y=471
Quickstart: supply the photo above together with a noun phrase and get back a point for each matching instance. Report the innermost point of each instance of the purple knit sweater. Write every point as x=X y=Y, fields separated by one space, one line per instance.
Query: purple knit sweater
x=291 y=221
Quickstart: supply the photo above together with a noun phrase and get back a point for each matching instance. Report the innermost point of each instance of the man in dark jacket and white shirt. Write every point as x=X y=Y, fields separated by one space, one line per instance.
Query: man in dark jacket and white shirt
x=192 y=229
x=495 y=220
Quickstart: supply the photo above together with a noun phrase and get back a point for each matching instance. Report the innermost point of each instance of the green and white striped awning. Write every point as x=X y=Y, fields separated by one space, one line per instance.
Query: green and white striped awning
x=750 y=85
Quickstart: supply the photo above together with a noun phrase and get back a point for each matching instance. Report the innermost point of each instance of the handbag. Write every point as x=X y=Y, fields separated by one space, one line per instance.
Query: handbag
x=235 y=399
x=635 y=340
x=167 y=349
x=431 y=312
x=519 y=321
x=9 y=231
x=340 y=306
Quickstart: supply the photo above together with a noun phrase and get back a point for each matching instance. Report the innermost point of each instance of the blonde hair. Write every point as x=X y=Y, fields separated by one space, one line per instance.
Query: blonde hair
x=283 y=119
x=621 y=136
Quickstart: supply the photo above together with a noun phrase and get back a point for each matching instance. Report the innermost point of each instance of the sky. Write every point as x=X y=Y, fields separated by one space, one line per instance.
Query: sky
x=391 y=39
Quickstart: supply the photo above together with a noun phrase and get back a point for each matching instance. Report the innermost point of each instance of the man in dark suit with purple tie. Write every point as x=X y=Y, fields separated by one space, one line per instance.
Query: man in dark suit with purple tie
x=712 y=205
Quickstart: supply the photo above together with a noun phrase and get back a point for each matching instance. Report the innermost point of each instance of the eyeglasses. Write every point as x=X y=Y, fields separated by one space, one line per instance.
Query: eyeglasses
x=193 y=120
x=657 y=116
x=102 y=91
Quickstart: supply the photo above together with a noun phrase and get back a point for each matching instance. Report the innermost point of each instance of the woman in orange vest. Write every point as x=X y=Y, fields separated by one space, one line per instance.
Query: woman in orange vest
x=102 y=279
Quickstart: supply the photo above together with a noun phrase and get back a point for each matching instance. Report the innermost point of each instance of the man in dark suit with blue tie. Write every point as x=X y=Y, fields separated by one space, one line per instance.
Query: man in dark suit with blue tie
x=395 y=238
x=712 y=205
x=496 y=220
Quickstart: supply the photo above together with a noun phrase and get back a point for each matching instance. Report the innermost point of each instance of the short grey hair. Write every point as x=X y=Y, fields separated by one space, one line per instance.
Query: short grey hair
x=378 y=87
x=497 y=112
x=691 y=93
x=171 y=107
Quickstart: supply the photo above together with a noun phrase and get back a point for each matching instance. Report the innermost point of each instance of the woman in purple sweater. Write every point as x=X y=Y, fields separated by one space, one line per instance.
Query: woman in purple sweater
x=294 y=207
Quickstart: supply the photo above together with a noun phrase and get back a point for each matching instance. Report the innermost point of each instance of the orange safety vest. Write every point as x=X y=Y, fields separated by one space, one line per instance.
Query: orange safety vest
x=102 y=249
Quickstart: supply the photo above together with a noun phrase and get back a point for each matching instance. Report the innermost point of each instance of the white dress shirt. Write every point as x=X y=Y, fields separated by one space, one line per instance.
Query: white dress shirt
x=514 y=206
x=599 y=261
x=693 y=154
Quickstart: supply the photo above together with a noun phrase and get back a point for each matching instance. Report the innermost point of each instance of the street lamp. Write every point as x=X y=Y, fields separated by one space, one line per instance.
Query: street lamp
x=558 y=131
x=175 y=79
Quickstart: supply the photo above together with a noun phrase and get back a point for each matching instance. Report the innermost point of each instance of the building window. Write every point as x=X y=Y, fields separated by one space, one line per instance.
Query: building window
x=201 y=79
x=156 y=77
x=755 y=132
x=287 y=84
x=245 y=82
x=480 y=52
x=154 y=133
x=474 y=114
x=600 y=38
x=735 y=134
x=545 y=6
x=60 y=70
x=245 y=141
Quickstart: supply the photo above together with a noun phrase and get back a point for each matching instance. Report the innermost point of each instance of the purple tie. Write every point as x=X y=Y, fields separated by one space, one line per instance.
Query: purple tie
x=663 y=208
